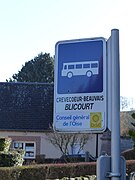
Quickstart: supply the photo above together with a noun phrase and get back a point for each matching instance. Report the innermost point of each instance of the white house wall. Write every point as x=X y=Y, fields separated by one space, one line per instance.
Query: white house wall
x=46 y=148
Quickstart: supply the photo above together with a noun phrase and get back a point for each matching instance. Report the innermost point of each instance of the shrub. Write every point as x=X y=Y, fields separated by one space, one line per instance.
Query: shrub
x=11 y=158
x=130 y=166
x=5 y=144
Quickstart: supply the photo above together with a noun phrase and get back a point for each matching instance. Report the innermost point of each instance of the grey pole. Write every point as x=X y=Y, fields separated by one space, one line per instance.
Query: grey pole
x=115 y=135
x=109 y=81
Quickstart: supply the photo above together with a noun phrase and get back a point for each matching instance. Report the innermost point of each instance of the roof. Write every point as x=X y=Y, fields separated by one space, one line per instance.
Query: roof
x=29 y=107
x=126 y=120
x=26 y=106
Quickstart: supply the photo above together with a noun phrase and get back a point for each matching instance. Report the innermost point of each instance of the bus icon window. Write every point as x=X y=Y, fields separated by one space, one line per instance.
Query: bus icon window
x=87 y=68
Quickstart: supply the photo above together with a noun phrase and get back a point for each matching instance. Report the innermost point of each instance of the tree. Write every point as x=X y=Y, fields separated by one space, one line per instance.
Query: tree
x=123 y=103
x=66 y=142
x=39 y=69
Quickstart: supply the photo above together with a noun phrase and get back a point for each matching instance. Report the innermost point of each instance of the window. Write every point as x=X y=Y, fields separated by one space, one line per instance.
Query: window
x=86 y=66
x=94 y=65
x=18 y=145
x=29 y=147
x=70 y=66
x=78 y=66
x=65 y=67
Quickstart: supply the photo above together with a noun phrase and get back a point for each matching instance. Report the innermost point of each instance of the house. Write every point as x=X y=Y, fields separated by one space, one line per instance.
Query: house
x=26 y=113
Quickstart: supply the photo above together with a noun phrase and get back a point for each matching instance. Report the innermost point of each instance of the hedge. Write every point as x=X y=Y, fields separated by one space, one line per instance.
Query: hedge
x=47 y=171
x=54 y=171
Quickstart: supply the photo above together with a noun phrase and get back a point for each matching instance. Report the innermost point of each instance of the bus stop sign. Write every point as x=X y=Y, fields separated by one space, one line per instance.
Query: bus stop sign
x=80 y=85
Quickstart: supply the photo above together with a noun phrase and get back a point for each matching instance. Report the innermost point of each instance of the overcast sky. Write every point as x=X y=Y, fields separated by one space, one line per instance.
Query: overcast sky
x=28 y=27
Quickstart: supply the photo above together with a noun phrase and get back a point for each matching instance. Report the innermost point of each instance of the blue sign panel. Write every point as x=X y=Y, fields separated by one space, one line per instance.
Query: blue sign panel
x=80 y=67
x=80 y=85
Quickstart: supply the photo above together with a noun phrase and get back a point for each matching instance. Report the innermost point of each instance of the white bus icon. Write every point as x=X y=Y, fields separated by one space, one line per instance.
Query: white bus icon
x=87 y=68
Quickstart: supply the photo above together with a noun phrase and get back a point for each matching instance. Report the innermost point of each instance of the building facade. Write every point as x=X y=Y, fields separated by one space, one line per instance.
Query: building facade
x=26 y=114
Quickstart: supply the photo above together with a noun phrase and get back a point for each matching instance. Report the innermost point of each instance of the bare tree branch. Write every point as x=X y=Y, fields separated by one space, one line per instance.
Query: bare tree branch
x=67 y=141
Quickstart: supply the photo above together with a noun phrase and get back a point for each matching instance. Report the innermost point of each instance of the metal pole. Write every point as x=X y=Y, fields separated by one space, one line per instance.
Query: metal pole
x=109 y=80
x=115 y=135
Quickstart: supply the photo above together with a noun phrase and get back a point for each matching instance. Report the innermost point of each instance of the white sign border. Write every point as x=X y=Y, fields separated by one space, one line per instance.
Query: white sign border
x=105 y=83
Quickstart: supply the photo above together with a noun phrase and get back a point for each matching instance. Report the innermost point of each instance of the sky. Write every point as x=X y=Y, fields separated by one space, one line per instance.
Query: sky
x=29 y=27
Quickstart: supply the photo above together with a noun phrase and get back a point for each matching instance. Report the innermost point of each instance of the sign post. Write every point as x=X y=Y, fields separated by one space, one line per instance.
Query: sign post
x=115 y=135
x=114 y=165
x=80 y=86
